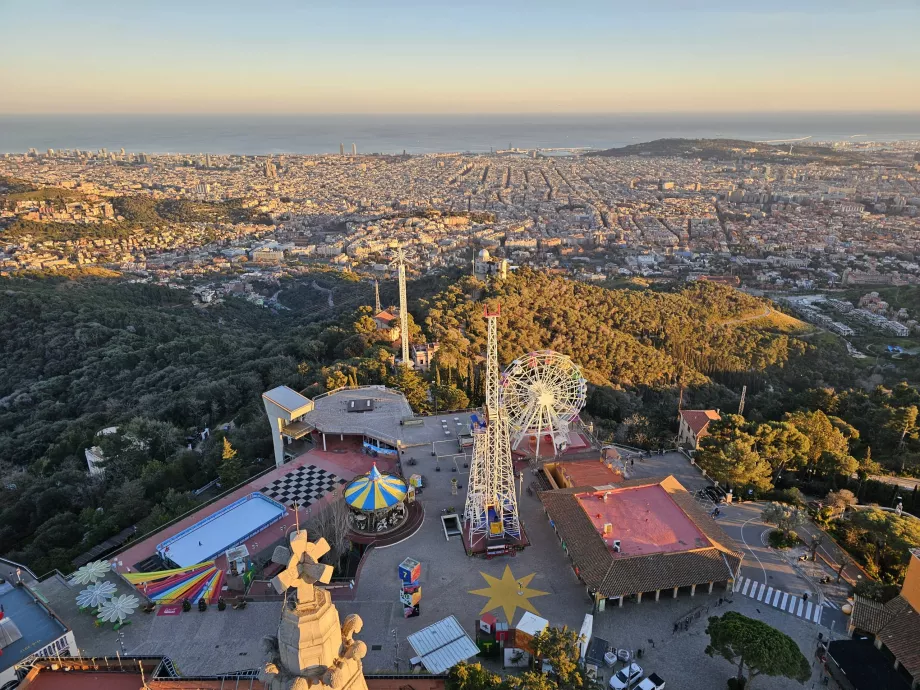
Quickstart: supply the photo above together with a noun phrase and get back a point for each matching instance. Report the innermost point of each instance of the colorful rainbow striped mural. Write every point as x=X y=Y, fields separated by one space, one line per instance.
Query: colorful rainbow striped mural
x=196 y=582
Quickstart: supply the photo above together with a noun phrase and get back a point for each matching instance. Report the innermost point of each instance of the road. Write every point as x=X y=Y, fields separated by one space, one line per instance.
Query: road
x=750 y=317
x=326 y=290
x=767 y=566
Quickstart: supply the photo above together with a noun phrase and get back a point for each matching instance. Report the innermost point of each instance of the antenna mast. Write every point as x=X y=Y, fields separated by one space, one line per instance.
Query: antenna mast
x=741 y=404
x=400 y=263
x=377 y=308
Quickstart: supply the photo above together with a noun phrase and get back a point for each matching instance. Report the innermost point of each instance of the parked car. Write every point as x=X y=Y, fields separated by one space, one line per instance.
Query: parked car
x=715 y=493
x=653 y=682
x=625 y=676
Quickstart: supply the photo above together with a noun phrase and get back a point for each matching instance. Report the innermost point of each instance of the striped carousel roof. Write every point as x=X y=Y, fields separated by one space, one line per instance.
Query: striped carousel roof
x=375 y=491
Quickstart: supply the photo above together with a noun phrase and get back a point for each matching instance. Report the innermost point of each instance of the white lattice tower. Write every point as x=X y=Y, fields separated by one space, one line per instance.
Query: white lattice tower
x=474 y=513
x=400 y=263
x=491 y=483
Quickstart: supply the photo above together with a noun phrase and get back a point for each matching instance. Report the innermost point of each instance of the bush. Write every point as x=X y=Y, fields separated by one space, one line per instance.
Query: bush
x=186 y=605
x=780 y=541
x=877 y=591
x=221 y=604
x=202 y=605
x=736 y=684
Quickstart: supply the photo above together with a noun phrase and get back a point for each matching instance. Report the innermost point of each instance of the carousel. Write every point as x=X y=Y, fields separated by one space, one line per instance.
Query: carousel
x=377 y=501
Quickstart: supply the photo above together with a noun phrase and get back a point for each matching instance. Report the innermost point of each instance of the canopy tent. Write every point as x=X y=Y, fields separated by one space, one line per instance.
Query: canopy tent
x=375 y=491
x=201 y=581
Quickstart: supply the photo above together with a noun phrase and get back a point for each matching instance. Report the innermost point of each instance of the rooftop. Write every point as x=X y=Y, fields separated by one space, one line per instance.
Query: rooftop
x=643 y=566
x=389 y=408
x=865 y=667
x=644 y=519
x=698 y=420
x=287 y=399
x=38 y=626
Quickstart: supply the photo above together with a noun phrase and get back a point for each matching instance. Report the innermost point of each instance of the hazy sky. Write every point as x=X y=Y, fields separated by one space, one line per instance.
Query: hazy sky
x=301 y=56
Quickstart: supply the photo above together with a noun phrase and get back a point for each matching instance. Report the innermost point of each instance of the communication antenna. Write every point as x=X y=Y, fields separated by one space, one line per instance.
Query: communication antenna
x=376 y=297
x=741 y=404
x=399 y=262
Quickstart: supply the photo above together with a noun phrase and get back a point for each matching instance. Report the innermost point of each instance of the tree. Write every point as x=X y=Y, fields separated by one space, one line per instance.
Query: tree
x=231 y=469
x=784 y=516
x=449 y=397
x=782 y=445
x=559 y=647
x=826 y=435
x=332 y=523
x=839 y=501
x=464 y=676
x=735 y=463
x=412 y=385
x=750 y=643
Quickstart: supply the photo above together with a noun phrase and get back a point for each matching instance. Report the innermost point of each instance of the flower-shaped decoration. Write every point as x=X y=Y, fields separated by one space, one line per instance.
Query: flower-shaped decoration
x=92 y=572
x=96 y=593
x=118 y=608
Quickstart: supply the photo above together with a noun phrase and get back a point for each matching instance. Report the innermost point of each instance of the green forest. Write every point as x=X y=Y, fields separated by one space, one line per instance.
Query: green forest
x=81 y=355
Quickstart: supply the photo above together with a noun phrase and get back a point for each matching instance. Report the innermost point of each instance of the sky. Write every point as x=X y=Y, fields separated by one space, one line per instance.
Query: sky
x=466 y=56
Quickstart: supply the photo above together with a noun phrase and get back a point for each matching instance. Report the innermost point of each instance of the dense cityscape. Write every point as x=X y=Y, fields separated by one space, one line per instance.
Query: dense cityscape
x=459 y=346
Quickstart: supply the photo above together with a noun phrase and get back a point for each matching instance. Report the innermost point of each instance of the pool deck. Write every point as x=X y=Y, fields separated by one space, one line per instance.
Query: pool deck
x=345 y=462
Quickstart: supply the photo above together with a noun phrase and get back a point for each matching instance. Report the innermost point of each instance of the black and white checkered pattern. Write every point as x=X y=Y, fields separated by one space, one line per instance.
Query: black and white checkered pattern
x=304 y=486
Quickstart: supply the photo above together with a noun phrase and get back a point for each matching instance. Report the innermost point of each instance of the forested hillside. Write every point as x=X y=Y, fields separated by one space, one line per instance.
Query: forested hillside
x=81 y=355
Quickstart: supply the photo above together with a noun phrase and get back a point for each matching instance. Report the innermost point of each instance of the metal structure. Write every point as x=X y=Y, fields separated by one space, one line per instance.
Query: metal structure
x=491 y=501
x=377 y=308
x=543 y=393
x=400 y=264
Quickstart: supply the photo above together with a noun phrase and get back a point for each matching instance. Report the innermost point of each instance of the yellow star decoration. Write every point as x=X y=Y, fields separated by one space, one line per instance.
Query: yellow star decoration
x=509 y=593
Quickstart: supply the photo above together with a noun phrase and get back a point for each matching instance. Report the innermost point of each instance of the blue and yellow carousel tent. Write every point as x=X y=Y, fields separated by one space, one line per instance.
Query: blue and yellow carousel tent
x=375 y=491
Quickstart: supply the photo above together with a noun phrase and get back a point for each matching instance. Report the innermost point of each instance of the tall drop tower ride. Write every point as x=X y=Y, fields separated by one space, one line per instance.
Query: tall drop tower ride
x=491 y=510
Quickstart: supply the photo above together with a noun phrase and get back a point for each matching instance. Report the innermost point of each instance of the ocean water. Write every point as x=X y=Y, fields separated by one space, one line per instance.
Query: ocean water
x=311 y=134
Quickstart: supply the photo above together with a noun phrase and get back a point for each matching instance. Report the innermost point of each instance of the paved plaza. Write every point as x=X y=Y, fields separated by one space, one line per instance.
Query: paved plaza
x=450 y=578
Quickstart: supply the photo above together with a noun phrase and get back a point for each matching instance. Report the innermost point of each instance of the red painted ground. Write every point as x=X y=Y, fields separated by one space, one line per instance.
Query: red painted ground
x=346 y=462
x=644 y=519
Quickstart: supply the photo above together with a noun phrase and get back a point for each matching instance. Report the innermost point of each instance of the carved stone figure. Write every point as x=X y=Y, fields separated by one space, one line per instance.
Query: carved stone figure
x=312 y=650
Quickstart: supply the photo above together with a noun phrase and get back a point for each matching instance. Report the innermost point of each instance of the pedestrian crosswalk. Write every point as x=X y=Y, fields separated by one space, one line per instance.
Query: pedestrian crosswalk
x=790 y=603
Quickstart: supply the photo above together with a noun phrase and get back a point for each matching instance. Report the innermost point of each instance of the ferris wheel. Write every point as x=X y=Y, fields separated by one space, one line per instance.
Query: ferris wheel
x=542 y=393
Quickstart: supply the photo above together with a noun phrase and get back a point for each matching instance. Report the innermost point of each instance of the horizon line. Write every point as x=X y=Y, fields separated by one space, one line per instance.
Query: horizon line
x=628 y=113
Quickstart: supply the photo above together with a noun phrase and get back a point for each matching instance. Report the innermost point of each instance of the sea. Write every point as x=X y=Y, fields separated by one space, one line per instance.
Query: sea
x=418 y=134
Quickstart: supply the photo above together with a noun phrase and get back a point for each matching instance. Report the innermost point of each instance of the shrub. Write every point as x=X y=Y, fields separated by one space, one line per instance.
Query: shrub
x=877 y=591
x=186 y=605
x=202 y=605
x=221 y=604
x=778 y=540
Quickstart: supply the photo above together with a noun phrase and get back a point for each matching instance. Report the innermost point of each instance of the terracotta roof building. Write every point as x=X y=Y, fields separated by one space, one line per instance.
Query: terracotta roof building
x=895 y=625
x=694 y=425
x=640 y=536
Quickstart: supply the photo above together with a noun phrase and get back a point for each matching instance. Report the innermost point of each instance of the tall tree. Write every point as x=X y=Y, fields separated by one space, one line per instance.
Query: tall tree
x=231 y=470
x=757 y=647
x=735 y=463
x=559 y=647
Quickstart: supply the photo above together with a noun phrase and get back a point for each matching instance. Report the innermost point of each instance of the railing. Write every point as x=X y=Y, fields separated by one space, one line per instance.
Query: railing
x=14 y=564
x=194 y=510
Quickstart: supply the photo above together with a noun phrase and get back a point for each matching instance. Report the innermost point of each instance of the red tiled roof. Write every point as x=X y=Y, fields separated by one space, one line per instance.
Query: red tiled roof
x=385 y=316
x=901 y=632
x=698 y=420
x=613 y=577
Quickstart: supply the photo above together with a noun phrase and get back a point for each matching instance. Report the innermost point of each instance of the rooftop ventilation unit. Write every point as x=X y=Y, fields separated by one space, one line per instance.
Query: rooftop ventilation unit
x=616 y=546
x=360 y=405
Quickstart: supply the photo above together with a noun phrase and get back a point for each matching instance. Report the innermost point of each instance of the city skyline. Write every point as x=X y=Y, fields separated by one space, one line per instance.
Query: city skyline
x=409 y=57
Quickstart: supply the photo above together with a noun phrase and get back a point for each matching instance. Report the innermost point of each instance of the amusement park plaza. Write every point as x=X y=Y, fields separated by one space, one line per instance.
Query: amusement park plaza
x=443 y=553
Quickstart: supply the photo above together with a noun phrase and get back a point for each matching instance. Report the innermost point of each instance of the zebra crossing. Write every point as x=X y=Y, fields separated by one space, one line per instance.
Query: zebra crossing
x=790 y=603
